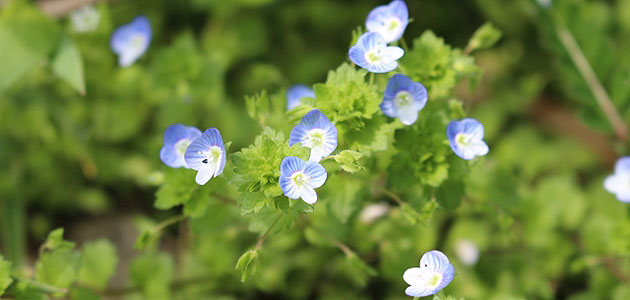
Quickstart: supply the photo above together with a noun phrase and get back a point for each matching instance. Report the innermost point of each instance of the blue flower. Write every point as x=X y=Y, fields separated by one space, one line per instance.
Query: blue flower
x=297 y=92
x=177 y=138
x=466 y=138
x=206 y=155
x=435 y=273
x=389 y=20
x=619 y=182
x=299 y=179
x=403 y=99
x=315 y=131
x=131 y=40
x=372 y=53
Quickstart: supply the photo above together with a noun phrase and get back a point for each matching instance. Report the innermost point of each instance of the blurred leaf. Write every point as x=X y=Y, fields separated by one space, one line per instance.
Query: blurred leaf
x=5 y=275
x=360 y=271
x=349 y=161
x=178 y=187
x=58 y=268
x=98 y=263
x=55 y=241
x=153 y=273
x=485 y=37
x=68 y=65
x=27 y=38
x=80 y=293
x=247 y=264
x=450 y=194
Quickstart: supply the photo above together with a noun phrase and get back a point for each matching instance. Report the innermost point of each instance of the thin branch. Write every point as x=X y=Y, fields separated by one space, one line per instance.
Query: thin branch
x=46 y=288
x=262 y=239
x=584 y=67
x=168 y=222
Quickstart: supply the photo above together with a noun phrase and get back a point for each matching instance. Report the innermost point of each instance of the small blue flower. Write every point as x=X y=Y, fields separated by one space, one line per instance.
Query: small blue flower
x=206 y=155
x=372 y=53
x=315 y=131
x=131 y=40
x=177 y=138
x=404 y=99
x=466 y=138
x=297 y=92
x=619 y=182
x=389 y=20
x=299 y=178
x=435 y=273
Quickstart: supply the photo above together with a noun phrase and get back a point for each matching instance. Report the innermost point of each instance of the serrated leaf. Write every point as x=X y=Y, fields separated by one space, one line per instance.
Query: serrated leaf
x=68 y=65
x=179 y=186
x=98 y=263
x=349 y=161
x=58 y=268
x=247 y=264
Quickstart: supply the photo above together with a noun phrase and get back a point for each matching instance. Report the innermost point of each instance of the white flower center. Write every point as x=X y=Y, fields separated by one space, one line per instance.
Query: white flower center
x=403 y=98
x=299 y=178
x=181 y=146
x=463 y=139
x=213 y=156
x=373 y=56
x=434 y=280
x=394 y=23
x=315 y=138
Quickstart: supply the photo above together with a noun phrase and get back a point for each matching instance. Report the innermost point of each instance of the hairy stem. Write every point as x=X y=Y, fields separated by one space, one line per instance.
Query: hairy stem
x=596 y=87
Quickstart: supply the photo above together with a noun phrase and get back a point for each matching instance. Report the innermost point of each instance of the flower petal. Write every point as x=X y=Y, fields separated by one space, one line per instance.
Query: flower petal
x=419 y=291
x=297 y=92
x=290 y=165
x=309 y=195
x=435 y=261
x=288 y=188
x=392 y=53
x=203 y=176
x=408 y=114
x=413 y=276
x=316 y=172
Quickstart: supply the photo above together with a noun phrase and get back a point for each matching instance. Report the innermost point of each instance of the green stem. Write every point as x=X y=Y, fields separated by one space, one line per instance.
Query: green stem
x=262 y=239
x=42 y=286
x=168 y=222
x=403 y=44
x=13 y=230
x=596 y=87
x=371 y=78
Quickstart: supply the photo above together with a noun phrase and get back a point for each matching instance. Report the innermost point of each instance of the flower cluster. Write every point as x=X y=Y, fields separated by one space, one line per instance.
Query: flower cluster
x=189 y=148
x=385 y=24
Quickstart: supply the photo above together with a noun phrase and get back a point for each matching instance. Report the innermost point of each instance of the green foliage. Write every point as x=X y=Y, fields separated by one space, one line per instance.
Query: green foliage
x=348 y=160
x=153 y=273
x=68 y=65
x=257 y=169
x=5 y=274
x=58 y=267
x=98 y=263
x=485 y=37
x=437 y=65
x=246 y=264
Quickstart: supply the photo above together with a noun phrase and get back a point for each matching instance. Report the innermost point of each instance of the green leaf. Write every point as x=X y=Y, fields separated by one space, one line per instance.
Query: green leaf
x=27 y=38
x=179 y=186
x=5 y=274
x=81 y=293
x=349 y=161
x=247 y=264
x=58 y=268
x=258 y=169
x=153 y=273
x=55 y=241
x=450 y=194
x=98 y=263
x=360 y=271
x=258 y=106
x=68 y=65
x=485 y=37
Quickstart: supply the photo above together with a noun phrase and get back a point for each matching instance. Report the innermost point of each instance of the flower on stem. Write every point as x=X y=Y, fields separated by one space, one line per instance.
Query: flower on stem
x=131 y=40
x=297 y=92
x=372 y=53
x=177 y=138
x=206 y=155
x=300 y=178
x=404 y=99
x=389 y=20
x=466 y=138
x=619 y=182
x=435 y=273
x=315 y=131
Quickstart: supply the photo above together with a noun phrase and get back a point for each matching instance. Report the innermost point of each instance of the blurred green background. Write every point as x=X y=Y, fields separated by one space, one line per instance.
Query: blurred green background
x=535 y=206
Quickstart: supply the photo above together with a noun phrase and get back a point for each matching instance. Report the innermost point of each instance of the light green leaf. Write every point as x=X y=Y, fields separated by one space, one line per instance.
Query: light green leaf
x=485 y=37
x=58 y=267
x=55 y=241
x=247 y=264
x=98 y=263
x=349 y=161
x=68 y=65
